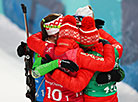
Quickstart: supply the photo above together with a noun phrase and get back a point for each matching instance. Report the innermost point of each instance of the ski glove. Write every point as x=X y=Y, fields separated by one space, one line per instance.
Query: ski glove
x=106 y=77
x=46 y=59
x=70 y=65
x=104 y=41
x=21 y=49
x=99 y=23
x=51 y=66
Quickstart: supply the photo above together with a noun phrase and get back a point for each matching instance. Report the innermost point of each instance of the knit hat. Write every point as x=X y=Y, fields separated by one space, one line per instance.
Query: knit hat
x=69 y=29
x=88 y=32
x=85 y=11
x=53 y=26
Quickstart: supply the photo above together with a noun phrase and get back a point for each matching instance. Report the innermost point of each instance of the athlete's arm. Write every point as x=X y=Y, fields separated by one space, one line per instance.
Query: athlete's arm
x=76 y=83
x=36 y=43
x=95 y=63
x=113 y=41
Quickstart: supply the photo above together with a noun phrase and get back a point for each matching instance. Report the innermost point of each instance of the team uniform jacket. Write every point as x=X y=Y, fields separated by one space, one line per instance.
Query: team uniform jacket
x=74 y=53
x=74 y=83
x=113 y=42
x=39 y=82
x=108 y=91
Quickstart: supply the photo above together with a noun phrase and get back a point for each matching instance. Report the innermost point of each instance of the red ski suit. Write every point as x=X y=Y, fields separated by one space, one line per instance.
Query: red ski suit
x=75 y=83
x=112 y=41
x=90 y=62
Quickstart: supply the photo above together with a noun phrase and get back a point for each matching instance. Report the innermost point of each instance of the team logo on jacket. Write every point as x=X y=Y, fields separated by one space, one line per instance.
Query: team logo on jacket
x=92 y=56
x=49 y=49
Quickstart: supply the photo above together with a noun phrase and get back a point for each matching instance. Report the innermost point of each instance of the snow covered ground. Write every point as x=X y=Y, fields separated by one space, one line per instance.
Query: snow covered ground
x=12 y=87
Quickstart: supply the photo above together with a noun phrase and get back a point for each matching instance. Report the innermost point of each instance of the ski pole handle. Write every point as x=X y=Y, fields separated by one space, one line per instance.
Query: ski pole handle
x=24 y=8
x=25 y=11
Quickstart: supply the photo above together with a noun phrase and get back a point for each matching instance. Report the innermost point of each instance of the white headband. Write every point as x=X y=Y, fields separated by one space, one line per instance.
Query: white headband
x=52 y=27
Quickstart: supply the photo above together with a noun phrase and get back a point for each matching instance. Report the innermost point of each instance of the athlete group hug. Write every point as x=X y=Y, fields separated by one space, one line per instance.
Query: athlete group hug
x=74 y=59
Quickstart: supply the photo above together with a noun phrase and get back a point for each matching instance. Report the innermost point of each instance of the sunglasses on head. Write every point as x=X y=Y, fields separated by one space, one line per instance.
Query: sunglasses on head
x=79 y=18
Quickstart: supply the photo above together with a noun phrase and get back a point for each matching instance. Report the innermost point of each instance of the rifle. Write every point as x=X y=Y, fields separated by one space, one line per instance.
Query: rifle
x=28 y=64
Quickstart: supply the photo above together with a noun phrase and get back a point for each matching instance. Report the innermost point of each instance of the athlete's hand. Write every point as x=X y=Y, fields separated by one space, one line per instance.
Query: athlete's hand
x=69 y=65
x=105 y=77
x=46 y=59
x=103 y=41
x=99 y=23
x=21 y=49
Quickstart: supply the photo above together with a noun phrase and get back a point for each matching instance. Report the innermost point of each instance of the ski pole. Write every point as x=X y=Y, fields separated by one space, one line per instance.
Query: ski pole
x=24 y=12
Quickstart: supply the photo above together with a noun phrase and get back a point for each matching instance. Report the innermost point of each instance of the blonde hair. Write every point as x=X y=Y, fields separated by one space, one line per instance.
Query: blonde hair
x=92 y=10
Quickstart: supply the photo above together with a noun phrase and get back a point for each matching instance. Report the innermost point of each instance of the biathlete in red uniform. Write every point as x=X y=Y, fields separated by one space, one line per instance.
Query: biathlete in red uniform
x=67 y=48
